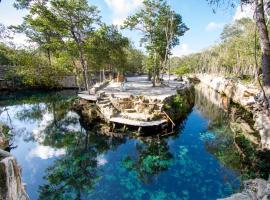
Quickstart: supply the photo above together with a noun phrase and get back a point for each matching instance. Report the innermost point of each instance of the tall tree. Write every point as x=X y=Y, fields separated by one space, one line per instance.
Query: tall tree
x=259 y=15
x=75 y=20
x=161 y=28
x=38 y=28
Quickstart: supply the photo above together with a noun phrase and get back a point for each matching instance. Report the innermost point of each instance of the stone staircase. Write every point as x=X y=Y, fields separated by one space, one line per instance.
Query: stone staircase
x=106 y=107
x=132 y=116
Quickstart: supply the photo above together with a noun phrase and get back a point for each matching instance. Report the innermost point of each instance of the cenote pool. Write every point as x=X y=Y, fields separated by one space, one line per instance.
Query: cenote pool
x=61 y=158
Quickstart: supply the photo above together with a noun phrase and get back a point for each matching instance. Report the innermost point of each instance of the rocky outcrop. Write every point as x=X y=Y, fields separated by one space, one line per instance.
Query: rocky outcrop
x=262 y=124
x=257 y=189
x=98 y=86
x=88 y=111
x=246 y=96
x=139 y=111
x=11 y=185
x=239 y=93
x=3 y=136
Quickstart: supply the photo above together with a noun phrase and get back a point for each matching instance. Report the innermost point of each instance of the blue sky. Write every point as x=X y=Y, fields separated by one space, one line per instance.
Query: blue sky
x=205 y=26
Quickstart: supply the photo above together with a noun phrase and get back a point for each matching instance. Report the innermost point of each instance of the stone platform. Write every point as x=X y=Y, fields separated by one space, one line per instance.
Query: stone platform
x=136 y=102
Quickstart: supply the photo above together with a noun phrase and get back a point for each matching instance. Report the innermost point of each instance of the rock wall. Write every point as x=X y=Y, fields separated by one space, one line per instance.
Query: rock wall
x=257 y=189
x=246 y=96
x=11 y=186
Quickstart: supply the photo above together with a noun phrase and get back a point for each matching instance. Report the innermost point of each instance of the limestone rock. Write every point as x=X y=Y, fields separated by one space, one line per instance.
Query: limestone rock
x=11 y=186
x=256 y=189
x=262 y=124
x=246 y=96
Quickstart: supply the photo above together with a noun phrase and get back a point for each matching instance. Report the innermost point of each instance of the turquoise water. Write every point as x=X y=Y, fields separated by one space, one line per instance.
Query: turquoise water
x=62 y=159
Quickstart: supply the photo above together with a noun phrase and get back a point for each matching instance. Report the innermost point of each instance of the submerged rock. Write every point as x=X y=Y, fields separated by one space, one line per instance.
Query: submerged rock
x=256 y=189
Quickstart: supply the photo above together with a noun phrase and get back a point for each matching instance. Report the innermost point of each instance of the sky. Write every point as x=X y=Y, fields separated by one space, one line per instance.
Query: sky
x=205 y=25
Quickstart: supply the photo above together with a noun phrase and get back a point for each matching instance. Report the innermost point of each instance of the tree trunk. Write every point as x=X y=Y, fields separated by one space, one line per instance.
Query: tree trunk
x=155 y=71
x=264 y=41
x=79 y=44
x=85 y=74
x=85 y=71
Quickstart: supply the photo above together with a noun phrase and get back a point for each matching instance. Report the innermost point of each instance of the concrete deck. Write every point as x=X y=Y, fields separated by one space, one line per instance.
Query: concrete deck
x=140 y=86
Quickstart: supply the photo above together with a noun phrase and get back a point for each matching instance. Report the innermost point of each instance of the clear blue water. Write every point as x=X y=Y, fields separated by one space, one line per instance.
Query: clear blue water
x=61 y=159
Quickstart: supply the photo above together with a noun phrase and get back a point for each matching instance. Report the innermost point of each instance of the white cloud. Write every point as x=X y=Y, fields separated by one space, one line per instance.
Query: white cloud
x=244 y=11
x=212 y=26
x=122 y=8
x=45 y=152
x=38 y=132
x=101 y=160
x=181 y=50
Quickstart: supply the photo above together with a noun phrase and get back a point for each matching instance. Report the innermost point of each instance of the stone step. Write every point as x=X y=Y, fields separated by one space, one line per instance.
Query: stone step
x=104 y=104
x=130 y=110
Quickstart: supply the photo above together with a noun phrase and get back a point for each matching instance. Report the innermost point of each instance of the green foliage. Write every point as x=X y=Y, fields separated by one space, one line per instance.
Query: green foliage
x=70 y=39
x=35 y=70
x=5 y=53
x=135 y=59
x=161 y=28
x=182 y=70
x=106 y=49
x=178 y=106
x=233 y=56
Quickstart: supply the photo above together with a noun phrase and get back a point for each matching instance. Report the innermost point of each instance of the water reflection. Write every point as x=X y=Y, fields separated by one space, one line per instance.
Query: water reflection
x=236 y=150
x=62 y=157
x=153 y=157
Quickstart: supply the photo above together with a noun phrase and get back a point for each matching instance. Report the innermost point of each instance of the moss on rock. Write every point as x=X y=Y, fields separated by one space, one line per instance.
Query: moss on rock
x=179 y=105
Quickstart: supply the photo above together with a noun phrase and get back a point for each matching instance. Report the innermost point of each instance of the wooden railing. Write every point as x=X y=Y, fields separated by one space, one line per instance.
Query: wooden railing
x=168 y=117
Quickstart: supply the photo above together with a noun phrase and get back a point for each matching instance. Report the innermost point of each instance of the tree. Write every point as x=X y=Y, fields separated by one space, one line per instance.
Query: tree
x=234 y=56
x=259 y=15
x=161 y=28
x=75 y=20
x=135 y=60
x=20 y=4
x=106 y=49
x=38 y=28
x=63 y=24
